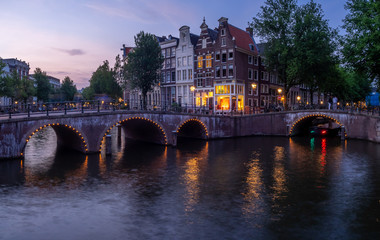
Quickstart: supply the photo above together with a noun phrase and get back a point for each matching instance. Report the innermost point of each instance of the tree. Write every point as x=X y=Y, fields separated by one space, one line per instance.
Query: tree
x=314 y=42
x=43 y=85
x=144 y=63
x=26 y=89
x=68 y=89
x=361 y=45
x=275 y=25
x=6 y=85
x=103 y=81
x=88 y=93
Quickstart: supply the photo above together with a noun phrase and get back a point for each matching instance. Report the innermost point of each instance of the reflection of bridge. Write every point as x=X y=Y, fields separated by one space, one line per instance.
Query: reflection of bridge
x=85 y=131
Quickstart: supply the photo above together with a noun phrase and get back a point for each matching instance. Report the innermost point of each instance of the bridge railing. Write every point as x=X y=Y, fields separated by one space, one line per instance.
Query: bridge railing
x=71 y=107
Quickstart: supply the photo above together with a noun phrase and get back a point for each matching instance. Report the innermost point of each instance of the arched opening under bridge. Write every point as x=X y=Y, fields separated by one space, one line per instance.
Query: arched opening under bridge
x=192 y=129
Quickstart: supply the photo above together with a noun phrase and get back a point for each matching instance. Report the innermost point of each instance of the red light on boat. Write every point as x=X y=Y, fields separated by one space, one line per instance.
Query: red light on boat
x=324 y=132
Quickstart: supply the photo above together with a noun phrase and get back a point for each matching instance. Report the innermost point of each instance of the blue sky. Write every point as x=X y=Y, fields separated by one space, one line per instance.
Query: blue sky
x=73 y=37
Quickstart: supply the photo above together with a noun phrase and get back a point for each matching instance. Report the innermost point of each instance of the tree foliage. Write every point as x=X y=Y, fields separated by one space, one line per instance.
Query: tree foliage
x=43 y=85
x=361 y=45
x=103 y=81
x=275 y=25
x=68 y=89
x=315 y=44
x=88 y=93
x=144 y=63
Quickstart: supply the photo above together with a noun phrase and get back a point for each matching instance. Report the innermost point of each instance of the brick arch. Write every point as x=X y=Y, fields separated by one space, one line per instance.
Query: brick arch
x=154 y=123
x=57 y=126
x=300 y=120
x=198 y=122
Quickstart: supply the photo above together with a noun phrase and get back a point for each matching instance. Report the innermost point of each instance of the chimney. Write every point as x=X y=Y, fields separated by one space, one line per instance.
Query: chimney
x=249 y=30
x=223 y=21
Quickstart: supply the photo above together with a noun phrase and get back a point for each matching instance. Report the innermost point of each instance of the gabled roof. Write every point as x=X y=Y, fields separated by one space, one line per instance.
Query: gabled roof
x=242 y=39
x=194 y=39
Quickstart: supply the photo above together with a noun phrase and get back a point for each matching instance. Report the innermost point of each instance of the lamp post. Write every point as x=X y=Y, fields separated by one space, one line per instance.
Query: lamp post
x=192 y=89
x=254 y=86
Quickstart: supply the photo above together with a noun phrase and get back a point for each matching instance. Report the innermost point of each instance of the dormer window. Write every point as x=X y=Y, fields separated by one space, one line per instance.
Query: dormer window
x=223 y=32
x=223 y=41
x=251 y=47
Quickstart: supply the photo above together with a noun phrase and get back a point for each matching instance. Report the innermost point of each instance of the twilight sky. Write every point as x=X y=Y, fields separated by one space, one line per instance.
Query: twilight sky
x=73 y=37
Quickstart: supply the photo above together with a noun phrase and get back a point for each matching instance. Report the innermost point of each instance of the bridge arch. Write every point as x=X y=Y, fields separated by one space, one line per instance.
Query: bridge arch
x=67 y=136
x=307 y=119
x=192 y=128
x=138 y=128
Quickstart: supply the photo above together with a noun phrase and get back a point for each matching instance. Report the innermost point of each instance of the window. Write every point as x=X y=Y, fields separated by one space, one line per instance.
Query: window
x=208 y=60
x=255 y=74
x=183 y=74
x=179 y=90
x=217 y=72
x=223 y=32
x=173 y=52
x=204 y=42
x=167 y=63
x=189 y=62
x=183 y=48
x=173 y=76
x=190 y=74
x=250 y=61
x=222 y=89
x=224 y=57
x=184 y=61
x=230 y=54
x=200 y=62
x=167 y=76
x=223 y=41
x=250 y=73
x=224 y=71
x=179 y=75
x=163 y=53
x=185 y=90
x=178 y=62
x=163 y=77
x=250 y=91
x=230 y=70
x=200 y=82
x=167 y=52
x=173 y=63
x=255 y=61
x=217 y=56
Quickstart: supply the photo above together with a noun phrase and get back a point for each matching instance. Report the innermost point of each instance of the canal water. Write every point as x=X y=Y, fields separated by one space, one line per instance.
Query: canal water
x=243 y=188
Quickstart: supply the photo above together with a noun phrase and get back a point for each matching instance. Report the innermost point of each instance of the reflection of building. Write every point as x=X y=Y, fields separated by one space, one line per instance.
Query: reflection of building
x=185 y=66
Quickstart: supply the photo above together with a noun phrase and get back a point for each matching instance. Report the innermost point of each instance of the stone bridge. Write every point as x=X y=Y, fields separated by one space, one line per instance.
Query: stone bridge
x=86 y=132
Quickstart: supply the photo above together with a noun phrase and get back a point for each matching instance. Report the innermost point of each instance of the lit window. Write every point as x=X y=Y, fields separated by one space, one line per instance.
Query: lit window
x=200 y=62
x=208 y=60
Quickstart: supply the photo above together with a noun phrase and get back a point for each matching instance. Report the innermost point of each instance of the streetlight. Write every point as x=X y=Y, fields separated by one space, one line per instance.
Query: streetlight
x=298 y=99
x=192 y=89
x=254 y=85
x=279 y=91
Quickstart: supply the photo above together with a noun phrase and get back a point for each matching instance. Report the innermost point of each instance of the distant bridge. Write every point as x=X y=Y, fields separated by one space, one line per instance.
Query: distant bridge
x=85 y=132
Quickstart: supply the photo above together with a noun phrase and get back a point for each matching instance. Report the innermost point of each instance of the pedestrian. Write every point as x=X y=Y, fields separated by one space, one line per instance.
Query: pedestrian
x=335 y=102
x=330 y=102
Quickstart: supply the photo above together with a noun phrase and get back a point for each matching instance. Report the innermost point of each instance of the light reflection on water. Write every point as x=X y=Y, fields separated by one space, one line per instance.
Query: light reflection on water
x=259 y=187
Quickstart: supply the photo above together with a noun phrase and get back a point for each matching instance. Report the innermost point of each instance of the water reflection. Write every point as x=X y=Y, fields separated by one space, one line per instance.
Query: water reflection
x=265 y=187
